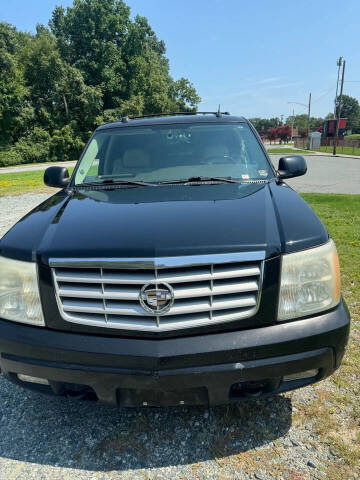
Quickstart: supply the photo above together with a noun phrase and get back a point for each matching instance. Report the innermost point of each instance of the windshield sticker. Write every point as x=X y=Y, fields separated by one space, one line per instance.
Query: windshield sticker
x=245 y=176
x=178 y=136
x=263 y=173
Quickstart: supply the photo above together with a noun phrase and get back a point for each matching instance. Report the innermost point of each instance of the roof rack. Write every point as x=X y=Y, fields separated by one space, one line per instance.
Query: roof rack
x=218 y=114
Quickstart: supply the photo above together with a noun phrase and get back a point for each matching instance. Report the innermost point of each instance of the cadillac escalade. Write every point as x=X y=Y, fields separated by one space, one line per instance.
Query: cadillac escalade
x=174 y=267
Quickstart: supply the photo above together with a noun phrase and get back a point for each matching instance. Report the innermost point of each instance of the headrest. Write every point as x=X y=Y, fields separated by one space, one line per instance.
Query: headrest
x=135 y=158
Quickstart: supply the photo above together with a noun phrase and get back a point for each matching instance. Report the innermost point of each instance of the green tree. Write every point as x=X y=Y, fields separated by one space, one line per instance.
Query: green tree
x=122 y=57
x=183 y=95
x=34 y=147
x=91 y=35
x=57 y=90
x=94 y=65
x=65 y=143
x=262 y=125
x=315 y=123
x=350 y=109
x=15 y=110
x=301 y=122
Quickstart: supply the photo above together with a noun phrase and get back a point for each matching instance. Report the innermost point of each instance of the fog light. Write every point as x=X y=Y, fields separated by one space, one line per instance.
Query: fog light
x=27 y=378
x=301 y=375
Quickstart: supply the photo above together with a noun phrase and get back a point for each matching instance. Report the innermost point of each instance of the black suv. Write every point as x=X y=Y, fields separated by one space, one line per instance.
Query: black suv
x=174 y=267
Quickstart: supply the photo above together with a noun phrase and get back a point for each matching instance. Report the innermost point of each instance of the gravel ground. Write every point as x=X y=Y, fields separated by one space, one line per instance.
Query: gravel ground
x=14 y=208
x=55 y=438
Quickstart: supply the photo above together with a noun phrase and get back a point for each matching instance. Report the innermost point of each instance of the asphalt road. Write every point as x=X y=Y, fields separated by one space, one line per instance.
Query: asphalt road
x=29 y=168
x=327 y=174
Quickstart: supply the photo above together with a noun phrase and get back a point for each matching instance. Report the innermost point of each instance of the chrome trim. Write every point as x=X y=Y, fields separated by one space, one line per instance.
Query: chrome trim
x=112 y=301
x=163 y=327
x=157 y=262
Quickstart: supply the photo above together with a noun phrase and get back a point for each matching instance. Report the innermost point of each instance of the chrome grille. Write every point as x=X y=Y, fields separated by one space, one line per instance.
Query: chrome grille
x=208 y=289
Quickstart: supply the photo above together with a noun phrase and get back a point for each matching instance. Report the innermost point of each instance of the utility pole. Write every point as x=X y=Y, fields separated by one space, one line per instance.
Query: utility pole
x=339 y=108
x=338 y=63
x=292 y=125
x=308 y=107
x=308 y=121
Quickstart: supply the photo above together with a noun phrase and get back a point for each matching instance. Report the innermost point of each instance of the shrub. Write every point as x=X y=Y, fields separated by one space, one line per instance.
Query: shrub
x=39 y=147
x=9 y=157
x=272 y=134
x=35 y=147
x=284 y=133
x=66 y=144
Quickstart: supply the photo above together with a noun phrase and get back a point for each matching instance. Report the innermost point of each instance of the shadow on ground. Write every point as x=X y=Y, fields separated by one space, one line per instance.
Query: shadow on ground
x=89 y=436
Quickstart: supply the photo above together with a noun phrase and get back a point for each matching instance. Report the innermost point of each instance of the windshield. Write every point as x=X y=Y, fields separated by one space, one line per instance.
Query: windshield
x=178 y=152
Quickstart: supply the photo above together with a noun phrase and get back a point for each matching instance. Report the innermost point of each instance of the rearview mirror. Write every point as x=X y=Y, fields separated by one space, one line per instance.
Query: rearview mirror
x=57 y=177
x=292 y=166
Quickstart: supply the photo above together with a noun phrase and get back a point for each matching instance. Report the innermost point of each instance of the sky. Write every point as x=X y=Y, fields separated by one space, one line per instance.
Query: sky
x=252 y=57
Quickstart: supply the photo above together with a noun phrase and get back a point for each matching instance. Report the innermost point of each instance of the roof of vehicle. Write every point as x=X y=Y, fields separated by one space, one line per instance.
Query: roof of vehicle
x=164 y=119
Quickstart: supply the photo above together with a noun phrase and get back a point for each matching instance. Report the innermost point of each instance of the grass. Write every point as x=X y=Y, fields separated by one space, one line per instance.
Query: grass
x=353 y=136
x=336 y=411
x=288 y=150
x=340 y=149
x=341 y=216
x=18 y=183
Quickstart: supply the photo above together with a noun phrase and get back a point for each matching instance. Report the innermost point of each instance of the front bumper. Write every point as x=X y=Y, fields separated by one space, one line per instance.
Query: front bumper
x=210 y=369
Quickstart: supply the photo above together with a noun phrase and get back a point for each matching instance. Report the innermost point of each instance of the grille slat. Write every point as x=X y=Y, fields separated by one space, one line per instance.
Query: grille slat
x=180 y=292
x=121 y=294
x=188 y=292
x=204 y=293
x=123 y=308
x=140 y=279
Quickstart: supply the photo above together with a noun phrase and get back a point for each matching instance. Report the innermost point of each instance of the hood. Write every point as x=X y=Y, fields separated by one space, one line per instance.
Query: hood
x=165 y=221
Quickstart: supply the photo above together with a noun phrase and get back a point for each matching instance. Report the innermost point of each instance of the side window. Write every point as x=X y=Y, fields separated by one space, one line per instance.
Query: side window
x=91 y=163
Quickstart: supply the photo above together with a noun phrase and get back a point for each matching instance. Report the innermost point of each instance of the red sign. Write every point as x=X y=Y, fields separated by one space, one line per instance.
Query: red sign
x=342 y=123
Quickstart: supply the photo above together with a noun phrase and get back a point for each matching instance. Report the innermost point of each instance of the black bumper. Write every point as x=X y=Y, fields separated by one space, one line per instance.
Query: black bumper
x=209 y=369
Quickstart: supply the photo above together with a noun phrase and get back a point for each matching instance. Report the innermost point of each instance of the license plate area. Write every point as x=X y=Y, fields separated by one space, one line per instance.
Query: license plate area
x=131 y=397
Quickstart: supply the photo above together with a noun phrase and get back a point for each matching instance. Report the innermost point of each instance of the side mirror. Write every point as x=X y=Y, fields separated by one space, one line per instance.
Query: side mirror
x=292 y=166
x=57 y=177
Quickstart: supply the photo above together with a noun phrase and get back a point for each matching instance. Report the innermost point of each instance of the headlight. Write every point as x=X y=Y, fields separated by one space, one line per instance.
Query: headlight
x=310 y=282
x=19 y=292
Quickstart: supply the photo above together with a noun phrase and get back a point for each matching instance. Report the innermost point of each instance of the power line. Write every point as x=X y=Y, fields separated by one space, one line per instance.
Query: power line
x=324 y=94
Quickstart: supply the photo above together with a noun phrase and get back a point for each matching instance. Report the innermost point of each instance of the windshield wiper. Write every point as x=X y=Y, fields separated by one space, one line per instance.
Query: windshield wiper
x=111 y=182
x=202 y=179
